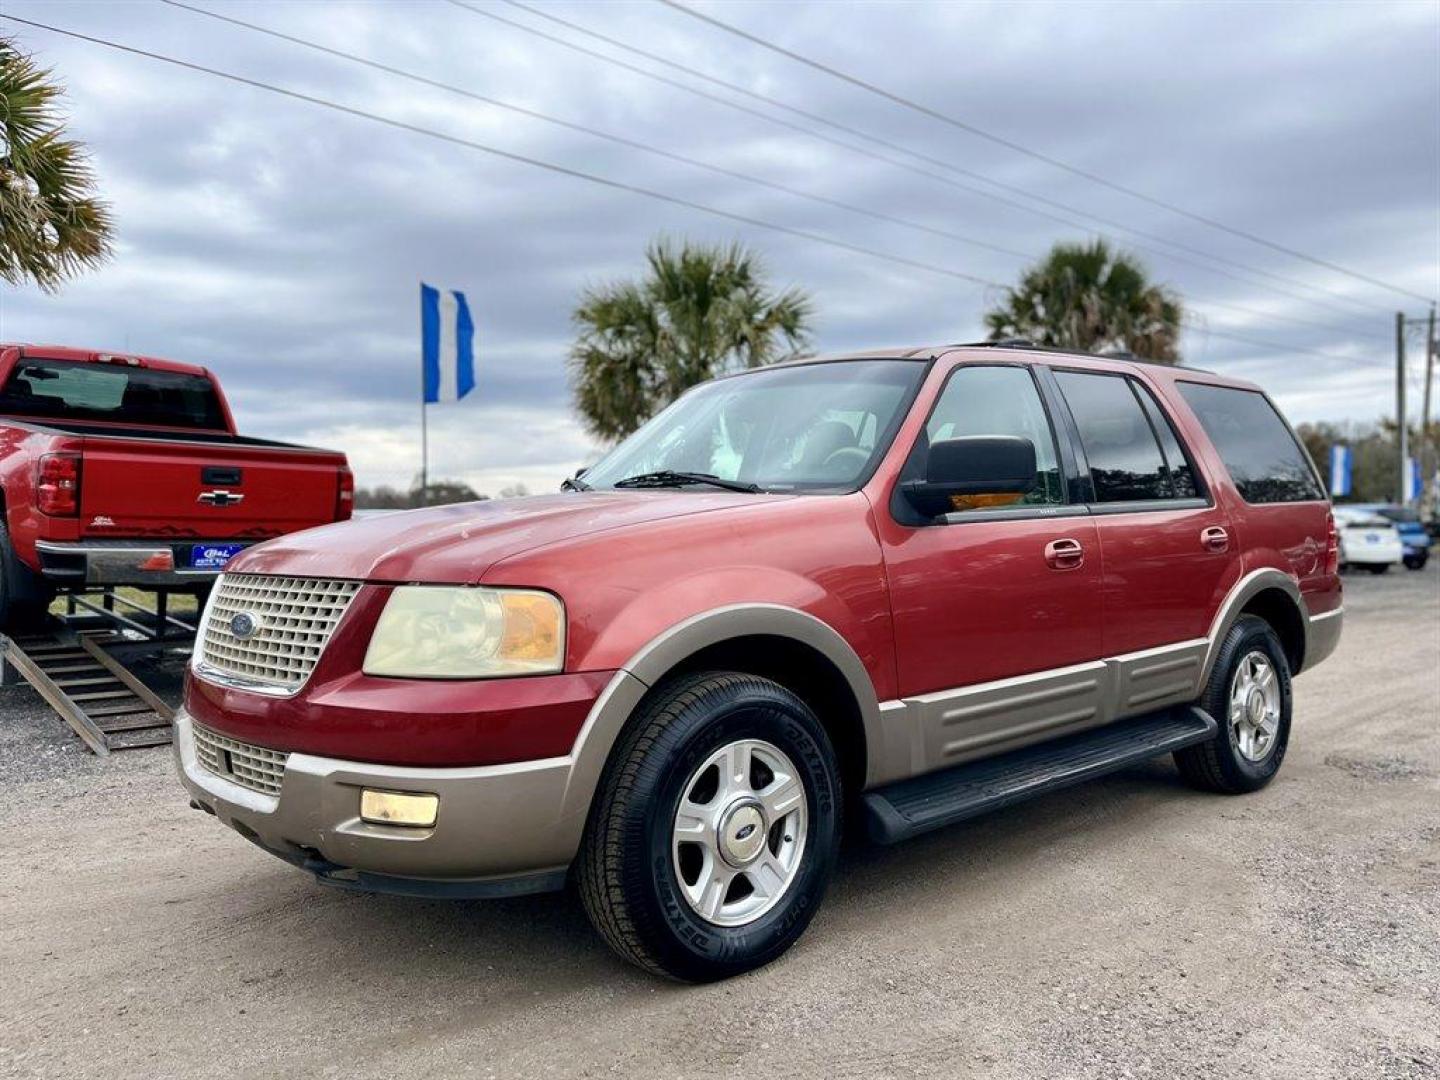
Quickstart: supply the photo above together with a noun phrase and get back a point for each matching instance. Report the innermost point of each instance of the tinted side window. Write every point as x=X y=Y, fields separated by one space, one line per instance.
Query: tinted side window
x=1263 y=457
x=1125 y=460
x=1182 y=473
x=999 y=401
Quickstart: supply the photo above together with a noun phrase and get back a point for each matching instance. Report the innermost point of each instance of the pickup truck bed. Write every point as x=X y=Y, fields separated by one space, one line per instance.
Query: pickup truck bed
x=145 y=481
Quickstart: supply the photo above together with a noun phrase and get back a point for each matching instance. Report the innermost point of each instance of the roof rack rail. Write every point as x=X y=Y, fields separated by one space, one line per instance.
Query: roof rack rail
x=1003 y=343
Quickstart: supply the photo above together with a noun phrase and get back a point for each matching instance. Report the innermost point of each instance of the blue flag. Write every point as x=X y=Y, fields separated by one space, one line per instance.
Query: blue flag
x=447 y=344
x=1340 y=469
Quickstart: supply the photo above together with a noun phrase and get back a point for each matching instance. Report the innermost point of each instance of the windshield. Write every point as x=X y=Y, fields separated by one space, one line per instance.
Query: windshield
x=812 y=427
x=78 y=391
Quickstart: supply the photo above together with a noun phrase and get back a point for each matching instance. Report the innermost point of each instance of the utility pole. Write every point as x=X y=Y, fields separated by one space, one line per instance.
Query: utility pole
x=1403 y=439
x=1427 y=466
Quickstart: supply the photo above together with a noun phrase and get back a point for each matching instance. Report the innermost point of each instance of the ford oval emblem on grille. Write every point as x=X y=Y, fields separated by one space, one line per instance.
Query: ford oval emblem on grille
x=244 y=625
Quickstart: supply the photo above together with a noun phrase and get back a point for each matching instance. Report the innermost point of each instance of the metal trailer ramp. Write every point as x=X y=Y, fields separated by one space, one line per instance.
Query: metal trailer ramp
x=106 y=705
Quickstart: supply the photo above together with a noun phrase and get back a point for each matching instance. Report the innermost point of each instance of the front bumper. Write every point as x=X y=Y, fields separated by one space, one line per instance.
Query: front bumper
x=500 y=830
x=144 y=563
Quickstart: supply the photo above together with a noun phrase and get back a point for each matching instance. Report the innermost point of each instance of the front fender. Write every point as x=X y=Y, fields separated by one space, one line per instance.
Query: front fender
x=668 y=649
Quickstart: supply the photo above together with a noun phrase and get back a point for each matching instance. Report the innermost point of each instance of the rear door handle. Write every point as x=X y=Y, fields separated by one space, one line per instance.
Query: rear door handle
x=1214 y=539
x=1064 y=554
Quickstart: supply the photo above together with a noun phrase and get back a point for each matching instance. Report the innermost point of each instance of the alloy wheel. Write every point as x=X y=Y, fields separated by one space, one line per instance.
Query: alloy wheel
x=739 y=832
x=1255 y=706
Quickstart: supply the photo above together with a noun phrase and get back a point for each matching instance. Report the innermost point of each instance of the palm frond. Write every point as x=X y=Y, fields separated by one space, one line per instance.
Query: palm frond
x=699 y=311
x=1093 y=298
x=52 y=226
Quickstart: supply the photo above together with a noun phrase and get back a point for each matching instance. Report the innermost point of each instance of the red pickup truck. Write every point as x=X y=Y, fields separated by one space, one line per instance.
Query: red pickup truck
x=128 y=470
x=901 y=588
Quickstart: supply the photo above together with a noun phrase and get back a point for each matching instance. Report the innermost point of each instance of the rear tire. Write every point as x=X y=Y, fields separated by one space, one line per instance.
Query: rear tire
x=1379 y=568
x=667 y=840
x=24 y=596
x=1249 y=695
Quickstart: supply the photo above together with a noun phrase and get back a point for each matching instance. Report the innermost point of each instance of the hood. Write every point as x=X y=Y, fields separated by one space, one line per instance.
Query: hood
x=457 y=544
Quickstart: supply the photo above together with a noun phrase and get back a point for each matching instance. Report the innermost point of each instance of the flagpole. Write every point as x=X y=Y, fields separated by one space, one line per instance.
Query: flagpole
x=424 y=433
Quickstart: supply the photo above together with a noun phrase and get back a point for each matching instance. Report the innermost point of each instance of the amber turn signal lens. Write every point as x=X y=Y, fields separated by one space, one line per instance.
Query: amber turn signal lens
x=532 y=626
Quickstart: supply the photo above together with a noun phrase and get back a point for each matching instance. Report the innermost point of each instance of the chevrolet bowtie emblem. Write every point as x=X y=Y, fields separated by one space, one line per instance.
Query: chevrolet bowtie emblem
x=220 y=497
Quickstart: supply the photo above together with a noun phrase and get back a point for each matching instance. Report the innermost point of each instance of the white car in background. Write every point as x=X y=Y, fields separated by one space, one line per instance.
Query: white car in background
x=1368 y=540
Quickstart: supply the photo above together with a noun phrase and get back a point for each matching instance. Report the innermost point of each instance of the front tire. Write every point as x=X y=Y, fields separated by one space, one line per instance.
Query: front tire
x=1379 y=568
x=715 y=830
x=1249 y=695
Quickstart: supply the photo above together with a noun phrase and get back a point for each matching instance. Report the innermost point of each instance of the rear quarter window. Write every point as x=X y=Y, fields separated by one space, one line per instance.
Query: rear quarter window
x=1259 y=450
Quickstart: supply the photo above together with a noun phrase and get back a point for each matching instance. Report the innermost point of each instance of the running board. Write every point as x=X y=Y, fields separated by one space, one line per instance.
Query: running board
x=901 y=810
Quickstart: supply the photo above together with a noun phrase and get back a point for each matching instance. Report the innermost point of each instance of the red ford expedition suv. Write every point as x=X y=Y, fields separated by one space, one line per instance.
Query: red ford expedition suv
x=127 y=470
x=900 y=588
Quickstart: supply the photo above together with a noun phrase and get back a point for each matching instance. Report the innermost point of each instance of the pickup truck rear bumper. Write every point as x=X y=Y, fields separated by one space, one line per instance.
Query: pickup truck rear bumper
x=144 y=563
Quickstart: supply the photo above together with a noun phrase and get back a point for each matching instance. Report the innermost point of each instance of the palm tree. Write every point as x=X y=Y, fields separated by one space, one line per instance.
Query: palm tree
x=1094 y=299
x=51 y=225
x=701 y=311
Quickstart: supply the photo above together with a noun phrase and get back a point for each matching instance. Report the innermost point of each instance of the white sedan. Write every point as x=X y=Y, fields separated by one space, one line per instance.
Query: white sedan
x=1368 y=540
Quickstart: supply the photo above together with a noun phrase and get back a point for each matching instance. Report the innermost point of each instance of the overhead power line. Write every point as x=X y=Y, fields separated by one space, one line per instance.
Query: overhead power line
x=1332 y=328
x=620 y=140
x=523 y=159
x=565 y=170
x=1037 y=155
x=1248 y=277
x=1272 y=346
x=651 y=149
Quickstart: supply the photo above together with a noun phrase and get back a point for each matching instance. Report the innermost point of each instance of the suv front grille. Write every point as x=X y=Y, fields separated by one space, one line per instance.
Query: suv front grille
x=290 y=622
x=252 y=767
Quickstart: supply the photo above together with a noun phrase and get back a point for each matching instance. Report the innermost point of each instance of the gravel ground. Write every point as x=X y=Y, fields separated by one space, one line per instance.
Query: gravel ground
x=1129 y=928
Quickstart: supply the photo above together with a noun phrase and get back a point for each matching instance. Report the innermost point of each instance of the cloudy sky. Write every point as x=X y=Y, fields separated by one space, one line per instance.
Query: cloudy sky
x=281 y=243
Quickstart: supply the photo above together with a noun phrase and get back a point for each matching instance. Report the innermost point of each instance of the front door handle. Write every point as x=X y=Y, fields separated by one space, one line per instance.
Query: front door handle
x=1064 y=554
x=1214 y=539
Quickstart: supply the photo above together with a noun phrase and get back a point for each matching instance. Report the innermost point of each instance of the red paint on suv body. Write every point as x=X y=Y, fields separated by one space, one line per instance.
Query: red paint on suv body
x=923 y=607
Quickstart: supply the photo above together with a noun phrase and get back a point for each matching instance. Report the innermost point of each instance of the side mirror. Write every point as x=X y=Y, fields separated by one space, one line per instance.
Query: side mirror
x=974 y=465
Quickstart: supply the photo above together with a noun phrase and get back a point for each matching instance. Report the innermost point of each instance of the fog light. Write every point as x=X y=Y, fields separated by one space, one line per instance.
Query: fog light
x=398 y=808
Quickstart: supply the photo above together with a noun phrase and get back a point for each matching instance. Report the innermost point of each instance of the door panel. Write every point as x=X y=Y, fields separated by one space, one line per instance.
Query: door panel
x=1168 y=551
x=978 y=612
x=996 y=611
x=1163 y=582
x=975 y=602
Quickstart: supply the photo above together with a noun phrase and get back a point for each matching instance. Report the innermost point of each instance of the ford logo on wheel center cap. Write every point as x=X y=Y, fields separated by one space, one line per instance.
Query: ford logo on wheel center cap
x=244 y=625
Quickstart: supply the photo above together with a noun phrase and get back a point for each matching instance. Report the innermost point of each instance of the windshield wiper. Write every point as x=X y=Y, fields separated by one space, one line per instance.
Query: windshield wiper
x=573 y=483
x=672 y=478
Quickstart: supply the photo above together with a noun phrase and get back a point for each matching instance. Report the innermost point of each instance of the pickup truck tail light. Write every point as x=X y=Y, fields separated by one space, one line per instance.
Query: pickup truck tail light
x=57 y=485
x=345 y=495
x=1332 y=546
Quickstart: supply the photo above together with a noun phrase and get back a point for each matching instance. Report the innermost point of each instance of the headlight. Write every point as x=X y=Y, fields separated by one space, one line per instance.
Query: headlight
x=444 y=632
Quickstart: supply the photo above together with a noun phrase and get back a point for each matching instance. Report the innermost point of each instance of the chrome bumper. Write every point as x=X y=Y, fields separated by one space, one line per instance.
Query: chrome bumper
x=500 y=830
x=121 y=563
